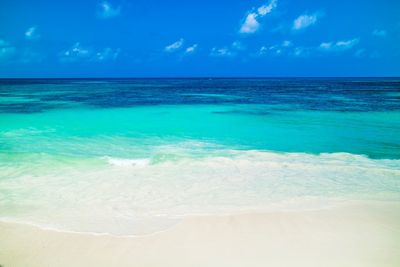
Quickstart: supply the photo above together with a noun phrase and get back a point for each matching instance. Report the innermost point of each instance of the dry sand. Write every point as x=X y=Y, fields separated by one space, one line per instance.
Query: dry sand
x=362 y=234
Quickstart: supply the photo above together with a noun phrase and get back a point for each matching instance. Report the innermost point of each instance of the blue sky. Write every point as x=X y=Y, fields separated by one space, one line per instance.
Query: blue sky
x=148 y=38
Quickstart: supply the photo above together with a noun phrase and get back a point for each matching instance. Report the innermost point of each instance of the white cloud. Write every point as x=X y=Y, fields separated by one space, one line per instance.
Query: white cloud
x=301 y=52
x=278 y=49
x=191 y=49
x=79 y=53
x=221 y=52
x=326 y=45
x=174 y=46
x=286 y=48
x=305 y=20
x=107 y=54
x=74 y=53
x=251 y=24
x=379 y=33
x=339 y=45
x=106 y=10
x=265 y=9
x=347 y=44
x=228 y=51
x=263 y=50
x=31 y=33
x=237 y=45
x=6 y=50
x=273 y=49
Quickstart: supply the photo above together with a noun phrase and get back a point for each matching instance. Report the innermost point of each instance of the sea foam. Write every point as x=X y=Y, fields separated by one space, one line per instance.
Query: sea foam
x=122 y=194
x=128 y=162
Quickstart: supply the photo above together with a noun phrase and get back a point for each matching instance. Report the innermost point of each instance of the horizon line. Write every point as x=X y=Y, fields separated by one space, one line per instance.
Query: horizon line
x=197 y=77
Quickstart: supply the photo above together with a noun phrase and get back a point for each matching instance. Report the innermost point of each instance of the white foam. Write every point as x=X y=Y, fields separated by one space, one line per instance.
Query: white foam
x=128 y=162
x=123 y=194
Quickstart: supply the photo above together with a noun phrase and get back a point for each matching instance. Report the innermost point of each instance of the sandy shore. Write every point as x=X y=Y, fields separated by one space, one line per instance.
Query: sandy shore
x=363 y=234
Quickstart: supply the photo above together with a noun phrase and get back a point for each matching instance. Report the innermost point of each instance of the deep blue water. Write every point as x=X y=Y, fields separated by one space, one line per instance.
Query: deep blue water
x=328 y=94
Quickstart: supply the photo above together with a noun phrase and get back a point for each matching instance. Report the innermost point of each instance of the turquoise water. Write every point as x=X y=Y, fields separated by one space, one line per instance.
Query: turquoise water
x=113 y=155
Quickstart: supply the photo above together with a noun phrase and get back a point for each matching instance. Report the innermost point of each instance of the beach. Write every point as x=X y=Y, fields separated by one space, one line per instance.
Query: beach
x=199 y=172
x=353 y=234
x=260 y=133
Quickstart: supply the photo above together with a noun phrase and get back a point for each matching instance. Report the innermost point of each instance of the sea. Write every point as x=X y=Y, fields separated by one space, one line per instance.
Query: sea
x=136 y=156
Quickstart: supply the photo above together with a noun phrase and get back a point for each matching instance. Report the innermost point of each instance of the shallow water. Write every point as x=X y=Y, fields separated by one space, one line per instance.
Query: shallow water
x=108 y=155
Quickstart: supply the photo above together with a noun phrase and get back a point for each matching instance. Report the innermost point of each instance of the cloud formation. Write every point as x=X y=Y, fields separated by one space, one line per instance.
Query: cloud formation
x=228 y=51
x=305 y=20
x=79 y=53
x=191 y=49
x=221 y=52
x=273 y=49
x=75 y=53
x=106 y=10
x=174 y=46
x=107 y=54
x=237 y=45
x=302 y=52
x=31 y=33
x=287 y=48
x=278 y=49
x=251 y=23
x=339 y=45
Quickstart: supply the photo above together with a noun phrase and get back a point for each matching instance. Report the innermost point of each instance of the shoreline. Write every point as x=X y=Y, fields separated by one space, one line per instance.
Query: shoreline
x=175 y=220
x=359 y=234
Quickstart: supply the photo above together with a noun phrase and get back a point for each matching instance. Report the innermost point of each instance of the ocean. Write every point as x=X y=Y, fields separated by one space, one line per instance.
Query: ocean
x=122 y=155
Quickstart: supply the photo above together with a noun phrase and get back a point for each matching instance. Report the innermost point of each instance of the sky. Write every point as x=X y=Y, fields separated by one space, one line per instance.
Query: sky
x=199 y=38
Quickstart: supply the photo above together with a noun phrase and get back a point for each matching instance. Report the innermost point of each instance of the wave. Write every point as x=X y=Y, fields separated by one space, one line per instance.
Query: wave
x=125 y=195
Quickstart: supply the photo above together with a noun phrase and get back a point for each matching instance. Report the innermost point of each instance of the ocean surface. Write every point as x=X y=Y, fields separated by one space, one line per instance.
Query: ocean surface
x=127 y=156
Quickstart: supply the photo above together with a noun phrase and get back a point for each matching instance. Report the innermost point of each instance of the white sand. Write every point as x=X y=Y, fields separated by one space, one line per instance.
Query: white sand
x=363 y=234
